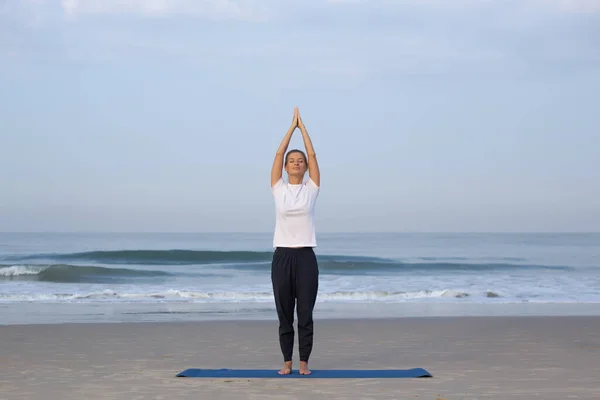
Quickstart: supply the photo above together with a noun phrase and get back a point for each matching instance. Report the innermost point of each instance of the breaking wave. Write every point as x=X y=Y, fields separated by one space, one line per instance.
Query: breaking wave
x=243 y=297
x=65 y=273
x=256 y=260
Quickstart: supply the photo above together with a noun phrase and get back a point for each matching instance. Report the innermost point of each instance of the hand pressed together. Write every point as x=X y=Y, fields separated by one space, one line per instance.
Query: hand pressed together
x=297 y=120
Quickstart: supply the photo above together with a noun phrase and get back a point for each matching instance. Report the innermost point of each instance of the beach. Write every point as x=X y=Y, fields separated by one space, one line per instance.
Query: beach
x=512 y=357
x=118 y=316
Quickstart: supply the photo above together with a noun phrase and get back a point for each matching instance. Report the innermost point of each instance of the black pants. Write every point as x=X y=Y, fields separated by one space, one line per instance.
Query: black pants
x=295 y=276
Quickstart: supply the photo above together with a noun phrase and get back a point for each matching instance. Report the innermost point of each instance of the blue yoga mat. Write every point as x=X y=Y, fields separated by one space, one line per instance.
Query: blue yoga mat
x=325 y=373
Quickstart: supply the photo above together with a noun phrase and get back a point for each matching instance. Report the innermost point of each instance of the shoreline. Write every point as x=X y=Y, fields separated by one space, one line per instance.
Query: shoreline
x=52 y=313
x=338 y=320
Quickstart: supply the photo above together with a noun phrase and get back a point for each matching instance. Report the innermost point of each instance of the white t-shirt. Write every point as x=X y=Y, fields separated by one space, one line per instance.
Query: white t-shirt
x=295 y=214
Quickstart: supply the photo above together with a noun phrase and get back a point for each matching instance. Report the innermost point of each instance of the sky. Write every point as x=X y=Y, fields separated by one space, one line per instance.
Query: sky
x=426 y=115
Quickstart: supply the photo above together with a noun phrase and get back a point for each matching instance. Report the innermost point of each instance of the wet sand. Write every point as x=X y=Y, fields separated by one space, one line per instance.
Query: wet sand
x=469 y=358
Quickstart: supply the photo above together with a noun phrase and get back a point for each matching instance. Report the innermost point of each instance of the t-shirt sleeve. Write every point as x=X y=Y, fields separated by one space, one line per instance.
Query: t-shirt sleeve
x=277 y=186
x=314 y=189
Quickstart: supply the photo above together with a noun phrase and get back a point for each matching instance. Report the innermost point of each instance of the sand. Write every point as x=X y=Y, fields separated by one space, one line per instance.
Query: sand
x=470 y=358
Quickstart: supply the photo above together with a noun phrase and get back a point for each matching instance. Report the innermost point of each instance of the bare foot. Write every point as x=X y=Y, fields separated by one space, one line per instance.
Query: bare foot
x=287 y=368
x=304 y=368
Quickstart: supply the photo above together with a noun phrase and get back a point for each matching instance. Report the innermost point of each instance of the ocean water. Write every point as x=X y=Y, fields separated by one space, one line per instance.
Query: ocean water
x=114 y=277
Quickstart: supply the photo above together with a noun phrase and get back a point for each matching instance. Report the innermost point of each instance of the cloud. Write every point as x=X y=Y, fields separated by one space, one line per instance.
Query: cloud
x=574 y=6
x=218 y=9
x=264 y=10
x=356 y=41
x=579 y=6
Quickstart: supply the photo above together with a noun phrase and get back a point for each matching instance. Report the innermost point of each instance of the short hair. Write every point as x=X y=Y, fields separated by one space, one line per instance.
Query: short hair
x=295 y=151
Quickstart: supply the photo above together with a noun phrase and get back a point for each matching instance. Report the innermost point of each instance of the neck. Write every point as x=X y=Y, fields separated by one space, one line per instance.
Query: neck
x=295 y=180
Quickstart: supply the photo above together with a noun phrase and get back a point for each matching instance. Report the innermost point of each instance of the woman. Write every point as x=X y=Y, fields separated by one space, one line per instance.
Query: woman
x=294 y=270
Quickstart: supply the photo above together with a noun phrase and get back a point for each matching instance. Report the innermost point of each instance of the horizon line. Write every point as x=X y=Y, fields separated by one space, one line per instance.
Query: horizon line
x=318 y=233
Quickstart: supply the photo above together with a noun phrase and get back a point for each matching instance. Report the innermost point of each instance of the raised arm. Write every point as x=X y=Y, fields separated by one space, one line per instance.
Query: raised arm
x=313 y=165
x=277 y=169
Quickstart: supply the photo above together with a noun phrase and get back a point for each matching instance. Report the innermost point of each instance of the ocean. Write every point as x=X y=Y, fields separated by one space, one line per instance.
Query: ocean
x=142 y=277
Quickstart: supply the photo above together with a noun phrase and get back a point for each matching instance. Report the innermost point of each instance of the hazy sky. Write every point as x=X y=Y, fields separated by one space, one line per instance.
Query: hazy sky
x=426 y=115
